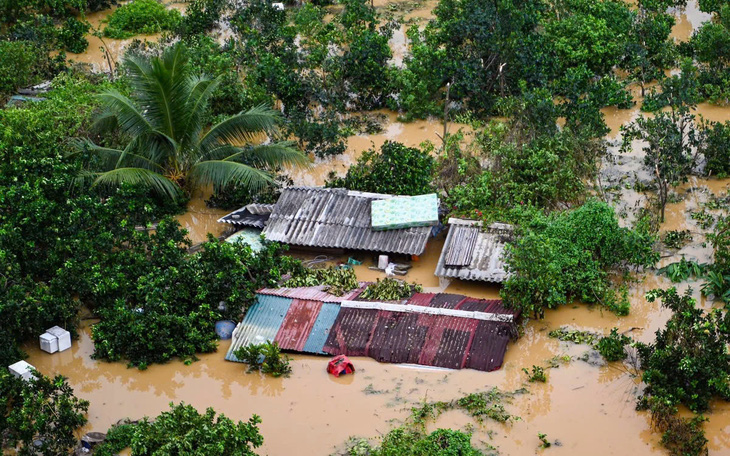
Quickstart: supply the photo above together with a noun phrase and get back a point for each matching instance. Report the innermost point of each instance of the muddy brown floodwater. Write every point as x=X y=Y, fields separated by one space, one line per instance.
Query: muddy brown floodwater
x=589 y=409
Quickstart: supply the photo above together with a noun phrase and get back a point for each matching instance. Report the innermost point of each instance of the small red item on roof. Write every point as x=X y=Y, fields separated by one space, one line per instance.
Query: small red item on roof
x=339 y=365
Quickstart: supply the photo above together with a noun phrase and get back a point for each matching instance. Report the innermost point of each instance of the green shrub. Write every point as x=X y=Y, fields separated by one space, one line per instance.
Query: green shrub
x=141 y=17
x=717 y=149
x=71 y=37
x=611 y=347
x=183 y=430
x=537 y=375
x=23 y=64
x=568 y=255
x=338 y=281
x=390 y=290
x=688 y=362
x=677 y=239
x=397 y=170
x=43 y=409
x=265 y=357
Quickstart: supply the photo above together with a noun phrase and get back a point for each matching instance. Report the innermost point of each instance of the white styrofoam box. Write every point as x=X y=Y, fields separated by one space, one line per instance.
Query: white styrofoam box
x=64 y=337
x=49 y=343
x=382 y=261
x=279 y=6
x=22 y=370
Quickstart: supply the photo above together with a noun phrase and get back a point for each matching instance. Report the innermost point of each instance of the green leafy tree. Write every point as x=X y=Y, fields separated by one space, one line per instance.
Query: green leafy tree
x=169 y=146
x=397 y=170
x=183 y=430
x=568 y=255
x=39 y=416
x=141 y=16
x=688 y=363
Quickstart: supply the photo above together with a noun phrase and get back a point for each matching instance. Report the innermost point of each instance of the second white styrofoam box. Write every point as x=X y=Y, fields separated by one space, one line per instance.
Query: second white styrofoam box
x=64 y=337
x=22 y=370
x=49 y=343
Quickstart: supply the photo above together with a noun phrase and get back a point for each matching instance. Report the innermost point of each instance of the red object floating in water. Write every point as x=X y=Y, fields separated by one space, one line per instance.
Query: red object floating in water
x=339 y=365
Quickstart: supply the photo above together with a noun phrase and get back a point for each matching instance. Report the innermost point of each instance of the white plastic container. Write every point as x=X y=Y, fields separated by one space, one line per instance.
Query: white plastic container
x=21 y=369
x=64 y=337
x=49 y=343
x=382 y=261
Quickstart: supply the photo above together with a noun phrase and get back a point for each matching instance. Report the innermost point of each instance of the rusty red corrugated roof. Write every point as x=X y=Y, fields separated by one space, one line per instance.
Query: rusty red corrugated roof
x=298 y=324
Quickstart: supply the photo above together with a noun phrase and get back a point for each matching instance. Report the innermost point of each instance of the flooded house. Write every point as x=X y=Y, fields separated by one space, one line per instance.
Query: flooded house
x=336 y=219
x=430 y=329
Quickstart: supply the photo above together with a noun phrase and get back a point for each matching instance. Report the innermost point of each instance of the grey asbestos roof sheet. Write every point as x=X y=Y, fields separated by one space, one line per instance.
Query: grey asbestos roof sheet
x=471 y=253
x=337 y=218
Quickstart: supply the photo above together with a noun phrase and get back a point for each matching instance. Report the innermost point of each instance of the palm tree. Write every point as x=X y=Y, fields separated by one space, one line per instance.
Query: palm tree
x=169 y=147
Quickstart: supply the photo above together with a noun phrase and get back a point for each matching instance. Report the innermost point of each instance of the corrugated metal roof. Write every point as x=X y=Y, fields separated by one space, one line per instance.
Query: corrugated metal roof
x=254 y=215
x=419 y=338
x=315 y=293
x=337 y=218
x=470 y=253
x=321 y=329
x=262 y=323
x=443 y=330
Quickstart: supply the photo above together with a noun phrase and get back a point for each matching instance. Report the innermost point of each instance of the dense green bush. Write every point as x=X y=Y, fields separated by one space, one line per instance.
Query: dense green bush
x=71 y=36
x=396 y=169
x=183 y=430
x=568 y=255
x=23 y=64
x=41 y=410
x=688 y=363
x=716 y=149
x=265 y=357
x=141 y=17
x=611 y=347
x=201 y=16
x=171 y=300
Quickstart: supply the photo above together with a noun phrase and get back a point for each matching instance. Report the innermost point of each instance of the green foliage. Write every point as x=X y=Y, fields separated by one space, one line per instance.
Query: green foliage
x=486 y=404
x=405 y=441
x=683 y=270
x=716 y=149
x=397 y=170
x=171 y=299
x=611 y=347
x=43 y=410
x=574 y=335
x=265 y=357
x=544 y=442
x=537 y=375
x=675 y=239
x=183 y=430
x=688 y=362
x=71 y=36
x=390 y=290
x=23 y=64
x=718 y=274
x=169 y=146
x=681 y=436
x=141 y=17
x=671 y=139
x=567 y=256
x=201 y=16
x=337 y=281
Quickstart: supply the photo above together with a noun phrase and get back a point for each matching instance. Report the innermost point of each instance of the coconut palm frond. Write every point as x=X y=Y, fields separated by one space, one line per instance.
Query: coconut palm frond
x=279 y=154
x=224 y=152
x=165 y=92
x=242 y=128
x=138 y=176
x=130 y=119
x=105 y=122
x=201 y=89
x=221 y=173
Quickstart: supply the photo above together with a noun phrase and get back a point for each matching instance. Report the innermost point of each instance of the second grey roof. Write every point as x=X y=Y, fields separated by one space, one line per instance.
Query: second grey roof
x=337 y=218
x=471 y=253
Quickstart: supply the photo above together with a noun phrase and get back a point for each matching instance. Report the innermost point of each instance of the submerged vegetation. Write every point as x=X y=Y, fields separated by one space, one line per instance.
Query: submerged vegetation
x=265 y=357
